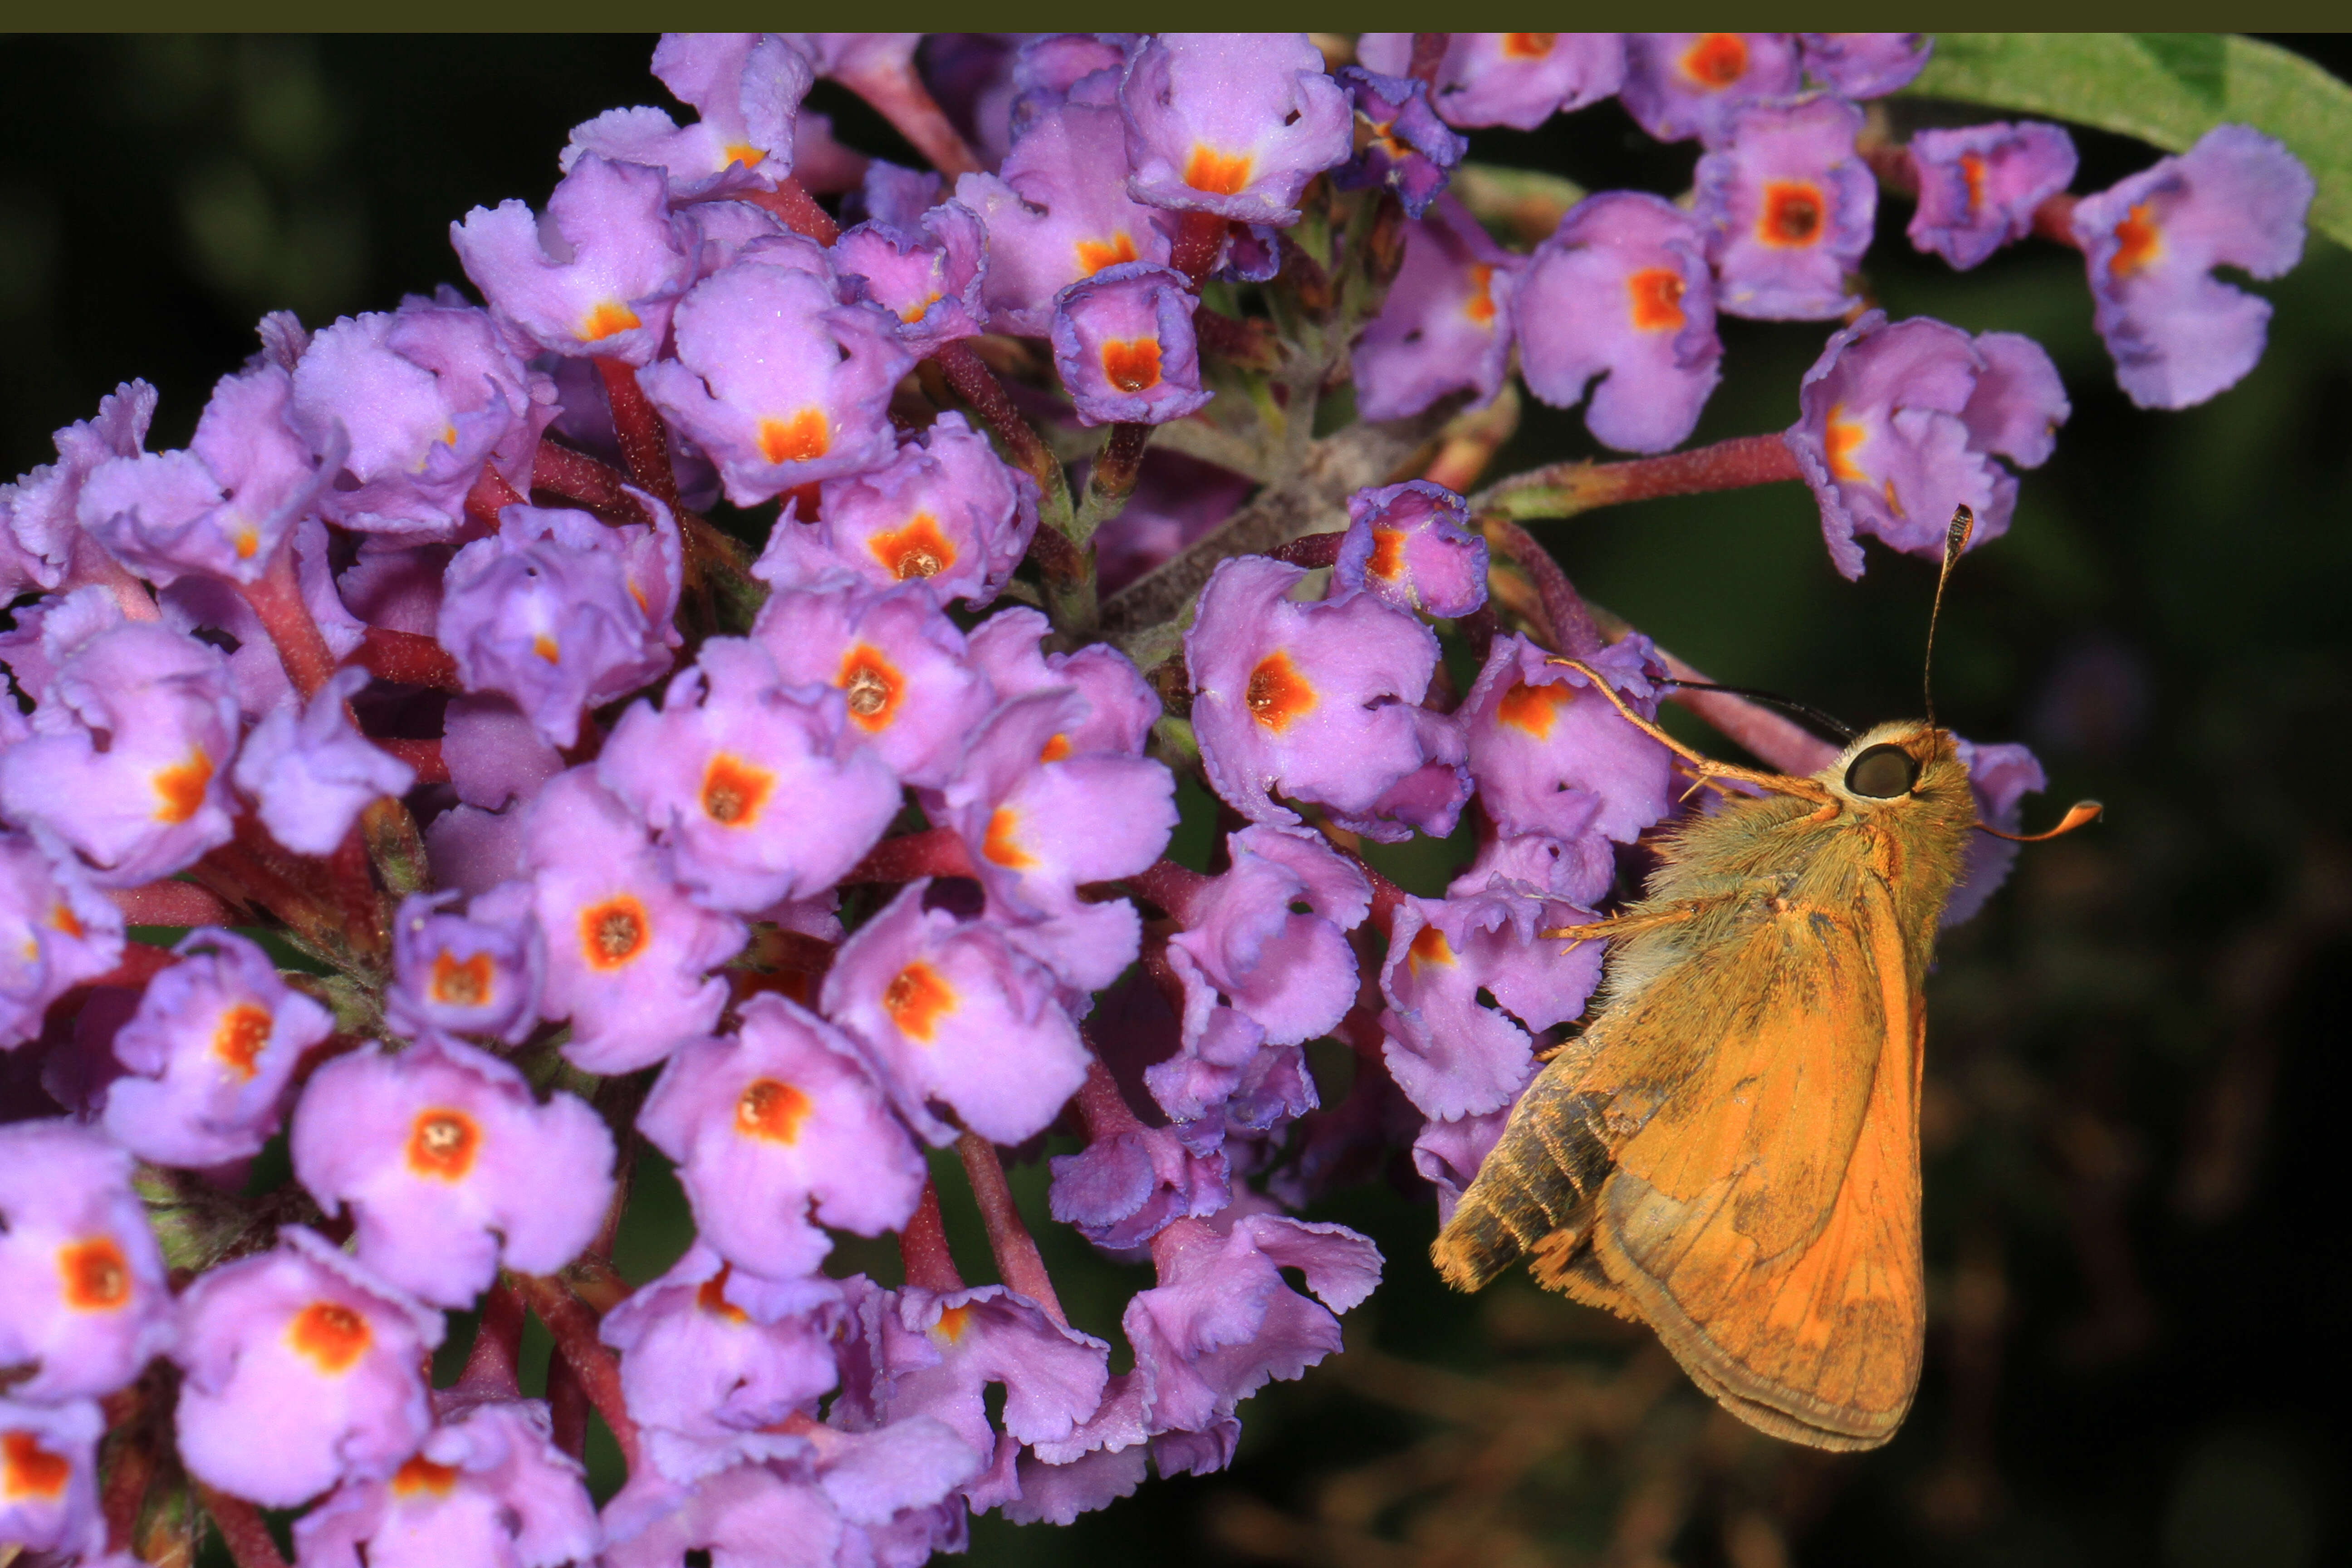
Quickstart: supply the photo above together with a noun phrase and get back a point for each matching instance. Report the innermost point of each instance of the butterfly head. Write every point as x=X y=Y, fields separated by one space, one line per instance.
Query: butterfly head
x=1902 y=761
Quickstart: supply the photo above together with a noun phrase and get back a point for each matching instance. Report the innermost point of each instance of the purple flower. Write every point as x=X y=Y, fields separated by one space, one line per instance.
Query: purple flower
x=749 y=784
x=945 y=509
x=56 y=930
x=1231 y=124
x=1979 y=185
x=898 y=663
x=2179 y=335
x=710 y=1355
x=312 y=773
x=949 y=1010
x=1410 y=150
x=1124 y=346
x=599 y=275
x=1680 y=85
x=48 y=1479
x=460 y=975
x=494 y=753
x=83 y=1301
x=775 y=1129
x=1790 y=205
x=1579 y=870
x=747 y=89
x=1121 y=707
x=1040 y=820
x=1864 y=65
x=1407 y=544
x=450 y=1167
x=546 y=612
x=425 y=396
x=1060 y=212
x=1622 y=290
x=1222 y=1321
x=931 y=279
x=220 y=509
x=752 y=1513
x=42 y=545
x=1050 y=68
x=1552 y=756
x=128 y=746
x=489 y=1487
x=303 y=1368
x=1509 y=79
x=1317 y=701
x=1125 y=1188
x=2001 y=775
x=628 y=953
x=210 y=1051
x=1902 y=422
x=1445 y=325
x=1451 y=1055
x=1448 y=1153
x=778 y=382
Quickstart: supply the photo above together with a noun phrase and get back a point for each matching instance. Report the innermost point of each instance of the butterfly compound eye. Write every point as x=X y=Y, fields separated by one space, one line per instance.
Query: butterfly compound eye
x=1883 y=772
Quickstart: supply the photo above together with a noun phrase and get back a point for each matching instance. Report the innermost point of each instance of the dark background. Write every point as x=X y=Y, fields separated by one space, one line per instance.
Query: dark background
x=2138 y=1262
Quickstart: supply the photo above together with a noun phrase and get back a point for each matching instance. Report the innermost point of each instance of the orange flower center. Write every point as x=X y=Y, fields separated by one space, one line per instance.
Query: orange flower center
x=1388 y=554
x=916 y=998
x=1480 y=307
x=1532 y=708
x=2139 y=242
x=1841 y=439
x=1132 y=364
x=1094 y=255
x=803 y=439
x=1792 y=218
x=30 y=1470
x=771 y=1110
x=97 y=1274
x=614 y=932
x=1972 y=170
x=1277 y=695
x=238 y=1038
x=1429 y=946
x=1528 y=46
x=871 y=688
x=1057 y=748
x=1219 y=174
x=1657 y=299
x=181 y=787
x=607 y=318
x=329 y=1335
x=734 y=791
x=711 y=1294
x=917 y=550
x=419 y=1474
x=998 y=844
x=461 y=982
x=952 y=1322
x=443 y=1143
x=1715 y=60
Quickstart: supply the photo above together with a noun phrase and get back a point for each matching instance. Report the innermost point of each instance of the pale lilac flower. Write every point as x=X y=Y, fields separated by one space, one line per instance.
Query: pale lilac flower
x=56 y=930
x=1445 y=325
x=745 y=86
x=1124 y=346
x=1231 y=124
x=1680 y=85
x=312 y=774
x=476 y=973
x=599 y=274
x=48 y=1479
x=1788 y=204
x=42 y=545
x=899 y=664
x=1979 y=185
x=1508 y=79
x=83 y=1301
x=1408 y=545
x=1553 y=757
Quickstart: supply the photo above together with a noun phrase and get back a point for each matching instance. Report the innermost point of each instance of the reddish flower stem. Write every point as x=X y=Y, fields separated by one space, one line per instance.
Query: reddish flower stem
x=573 y=1326
x=425 y=756
x=567 y=1409
x=1111 y=481
x=408 y=658
x=1172 y=887
x=2054 y=216
x=1018 y=1263
x=130 y=1467
x=1198 y=237
x=977 y=385
x=494 y=1364
x=1571 y=624
x=491 y=495
x=1565 y=489
x=934 y=852
x=1310 y=550
x=644 y=442
x=795 y=208
x=171 y=904
x=1101 y=1106
x=1428 y=53
x=1774 y=739
x=923 y=1247
x=140 y=962
x=277 y=601
x=242 y=1529
x=582 y=480
x=899 y=94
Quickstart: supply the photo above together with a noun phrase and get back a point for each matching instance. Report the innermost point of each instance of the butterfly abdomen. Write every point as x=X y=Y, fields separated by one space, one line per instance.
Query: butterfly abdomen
x=1539 y=1182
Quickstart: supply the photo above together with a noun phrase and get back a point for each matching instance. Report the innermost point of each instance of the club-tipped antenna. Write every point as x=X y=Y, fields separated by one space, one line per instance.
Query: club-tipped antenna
x=1835 y=726
x=1956 y=539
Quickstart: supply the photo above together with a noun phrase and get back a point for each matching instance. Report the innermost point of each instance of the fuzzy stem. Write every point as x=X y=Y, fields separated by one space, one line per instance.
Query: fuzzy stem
x=130 y=1468
x=1172 y=887
x=1311 y=549
x=1571 y=624
x=1428 y=53
x=1198 y=237
x=923 y=1247
x=409 y=659
x=1017 y=1260
x=795 y=208
x=277 y=602
x=242 y=1529
x=493 y=1364
x=933 y=852
x=1472 y=441
x=423 y=756
x=977 y=385
x=171 y=904
x=644 y=442
x=567 y=1409
x=582 y=480
x=899 y=94
x=1112 y=478
x=1101 y=1106
x=490 y=496
x=573 y=1326
x=1564 y=490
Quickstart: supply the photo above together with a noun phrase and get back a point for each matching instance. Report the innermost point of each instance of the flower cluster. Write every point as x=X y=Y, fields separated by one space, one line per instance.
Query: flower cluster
x=523 y=816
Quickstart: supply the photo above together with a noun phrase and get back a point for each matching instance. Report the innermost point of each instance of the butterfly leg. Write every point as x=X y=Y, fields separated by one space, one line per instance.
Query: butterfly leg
x=1618 y=927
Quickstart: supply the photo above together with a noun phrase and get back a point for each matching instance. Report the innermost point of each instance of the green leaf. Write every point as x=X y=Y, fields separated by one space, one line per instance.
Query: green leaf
x=2167 y=88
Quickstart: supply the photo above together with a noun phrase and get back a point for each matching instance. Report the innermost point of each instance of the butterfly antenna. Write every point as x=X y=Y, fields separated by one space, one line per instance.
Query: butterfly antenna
x=1835 y=726
x=1956 y=539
